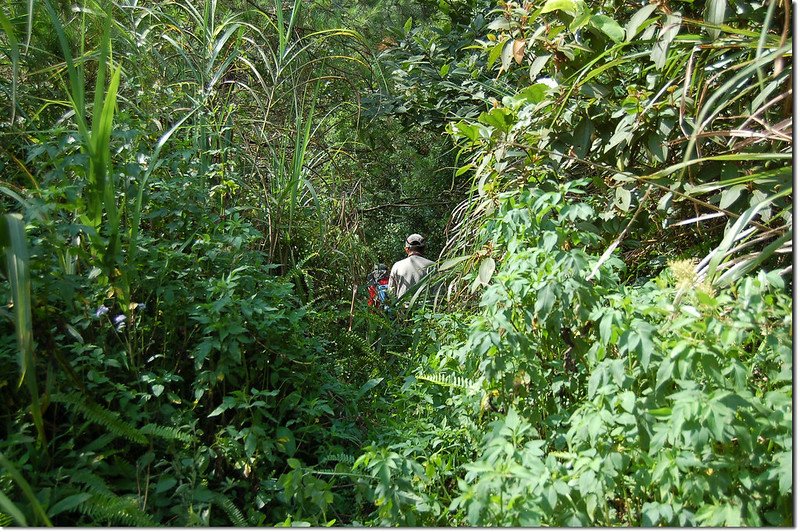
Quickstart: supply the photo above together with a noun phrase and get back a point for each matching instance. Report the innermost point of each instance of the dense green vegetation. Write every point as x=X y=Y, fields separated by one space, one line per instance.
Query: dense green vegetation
x=193 y=194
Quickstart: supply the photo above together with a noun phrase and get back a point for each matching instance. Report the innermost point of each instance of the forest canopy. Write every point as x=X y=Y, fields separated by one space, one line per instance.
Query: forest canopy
x=195 y=192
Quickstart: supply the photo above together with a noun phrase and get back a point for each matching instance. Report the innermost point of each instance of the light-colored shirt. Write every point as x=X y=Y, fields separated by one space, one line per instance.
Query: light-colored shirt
x=407 y=272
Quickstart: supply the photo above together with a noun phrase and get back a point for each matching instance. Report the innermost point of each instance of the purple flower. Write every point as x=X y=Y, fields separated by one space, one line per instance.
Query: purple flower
x=119 y=321
x=100 y=311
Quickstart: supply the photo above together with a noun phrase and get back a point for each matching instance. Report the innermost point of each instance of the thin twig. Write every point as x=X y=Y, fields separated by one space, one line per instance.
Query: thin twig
x=617 y=241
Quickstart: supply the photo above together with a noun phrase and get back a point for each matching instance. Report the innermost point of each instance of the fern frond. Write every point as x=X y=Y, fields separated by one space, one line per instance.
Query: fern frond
x=166 y=433
x=234 y=514
x=354 y=340
x=5 y=520
x=301 y=273
x=443 y=379
x=115 y=510
x=100 y=443
x=97 y=414
x=92 y=481
x=340 y=458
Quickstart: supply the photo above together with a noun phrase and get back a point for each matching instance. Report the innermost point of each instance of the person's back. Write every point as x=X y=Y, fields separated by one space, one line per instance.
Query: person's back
x=409 y=271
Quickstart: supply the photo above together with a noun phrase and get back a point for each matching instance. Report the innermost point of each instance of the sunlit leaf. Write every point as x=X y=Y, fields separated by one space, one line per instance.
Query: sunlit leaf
x=567 y=6
x=609 y=26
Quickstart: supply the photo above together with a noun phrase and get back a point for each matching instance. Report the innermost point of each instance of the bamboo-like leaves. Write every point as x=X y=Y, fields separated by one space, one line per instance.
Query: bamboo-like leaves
x=737 y=232
x=100 y=194
x=13 y=52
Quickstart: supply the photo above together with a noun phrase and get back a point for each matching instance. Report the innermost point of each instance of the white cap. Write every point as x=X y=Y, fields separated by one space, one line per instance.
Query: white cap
x=415 y=240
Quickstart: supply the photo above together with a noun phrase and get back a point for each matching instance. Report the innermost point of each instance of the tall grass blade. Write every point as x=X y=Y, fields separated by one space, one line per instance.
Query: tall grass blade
x=13 y=52
x=26 y=489
x=11 y=509
x=747 y=265
x=735 y=231
x=12 y=241
x=77 y=93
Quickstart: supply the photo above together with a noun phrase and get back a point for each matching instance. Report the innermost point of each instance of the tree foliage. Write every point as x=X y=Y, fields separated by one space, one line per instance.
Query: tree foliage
x=194 y=192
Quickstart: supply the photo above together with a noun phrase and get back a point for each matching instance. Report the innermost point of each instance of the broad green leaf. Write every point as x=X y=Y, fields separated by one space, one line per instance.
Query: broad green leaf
x=468 y=130
x=634 y=26
x=785 y=477
x=580 y=20
x=367 y=386
x=499 y=118
x=730 y=195
x=545 y=298
x=627 y=401
x=486 y=270
x=495 y=52
x=507 y=55
x=567 y=6
x=604 y=327
x=165 y=484
x=582 y=140
x=608 y=26
x=535 y=93
x=622 y=199
x=657 y=147
x=537 y=65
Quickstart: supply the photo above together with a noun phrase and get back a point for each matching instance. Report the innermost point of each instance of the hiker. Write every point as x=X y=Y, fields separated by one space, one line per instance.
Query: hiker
x=408 y=272
x=377 y=287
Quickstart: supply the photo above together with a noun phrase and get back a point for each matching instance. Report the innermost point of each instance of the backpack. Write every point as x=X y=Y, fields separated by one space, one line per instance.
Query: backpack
x=378 y=288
